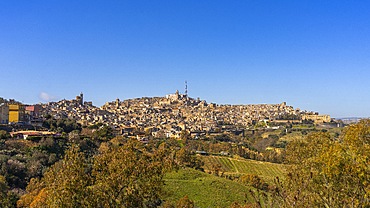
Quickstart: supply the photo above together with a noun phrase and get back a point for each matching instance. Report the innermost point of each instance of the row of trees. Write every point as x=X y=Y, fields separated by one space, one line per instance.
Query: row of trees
x=121 y=175
x=31 y=162
x=124 y=173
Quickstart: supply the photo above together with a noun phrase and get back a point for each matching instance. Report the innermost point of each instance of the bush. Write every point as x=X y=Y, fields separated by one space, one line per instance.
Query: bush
x=255 y=181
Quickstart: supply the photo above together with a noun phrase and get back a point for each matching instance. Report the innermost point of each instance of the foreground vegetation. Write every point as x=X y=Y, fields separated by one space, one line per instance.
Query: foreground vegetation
x=329 y=172
x=321 y=169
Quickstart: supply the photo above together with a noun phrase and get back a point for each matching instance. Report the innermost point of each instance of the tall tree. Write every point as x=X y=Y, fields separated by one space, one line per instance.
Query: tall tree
x=63 y=185
x=128 y=176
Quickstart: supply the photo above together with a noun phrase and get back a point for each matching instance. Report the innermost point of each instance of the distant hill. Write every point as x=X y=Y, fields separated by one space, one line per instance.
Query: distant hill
x=349 y=120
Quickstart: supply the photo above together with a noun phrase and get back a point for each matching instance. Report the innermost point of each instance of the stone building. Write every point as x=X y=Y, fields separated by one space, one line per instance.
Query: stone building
x=317 y=118
x=4 y=113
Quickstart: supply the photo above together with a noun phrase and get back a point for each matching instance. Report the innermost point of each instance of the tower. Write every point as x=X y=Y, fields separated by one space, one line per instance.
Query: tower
x=117 y=103
x=82 y=98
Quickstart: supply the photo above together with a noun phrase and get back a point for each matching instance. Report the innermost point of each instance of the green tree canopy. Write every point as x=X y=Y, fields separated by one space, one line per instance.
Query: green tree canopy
x=128 y=176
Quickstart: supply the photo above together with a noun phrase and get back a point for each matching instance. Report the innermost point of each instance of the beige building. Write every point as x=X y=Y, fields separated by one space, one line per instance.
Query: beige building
x=317 y=118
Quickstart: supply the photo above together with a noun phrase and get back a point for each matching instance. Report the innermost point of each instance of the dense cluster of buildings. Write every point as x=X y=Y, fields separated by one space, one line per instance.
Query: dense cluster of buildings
x=160 y=116
x=15 y=112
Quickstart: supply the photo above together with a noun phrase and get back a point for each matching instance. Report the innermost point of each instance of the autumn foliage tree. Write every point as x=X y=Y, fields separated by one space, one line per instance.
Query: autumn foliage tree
x=63 y=185
x=329 y=172
x=128 y=176
x=185 y=202
x=121 y=175
x=254 y=180
x=185 y=158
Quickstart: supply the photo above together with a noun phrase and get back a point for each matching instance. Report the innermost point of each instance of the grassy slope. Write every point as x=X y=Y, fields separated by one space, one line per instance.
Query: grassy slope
x=292 y=136
x=265 y=170
x=204 y=189
x=211 y=191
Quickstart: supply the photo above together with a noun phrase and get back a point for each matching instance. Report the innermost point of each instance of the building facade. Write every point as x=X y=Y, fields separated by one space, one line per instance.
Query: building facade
x=33 y=110
x=16 y=113
x=317 y=118
x=4 y=113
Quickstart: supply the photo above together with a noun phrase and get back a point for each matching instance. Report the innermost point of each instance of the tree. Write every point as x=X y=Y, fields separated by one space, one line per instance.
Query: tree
x=33 y=189
x=4 y=134
x=255 y=181
x=61 y=125
x=185 y=202
x=128 y=176
x=329 y=172
x=185 y=158
x=168 y=204
x=104 y=133
x=7 y=198
x=185 y=135
x=63 y=185
x=67 y=181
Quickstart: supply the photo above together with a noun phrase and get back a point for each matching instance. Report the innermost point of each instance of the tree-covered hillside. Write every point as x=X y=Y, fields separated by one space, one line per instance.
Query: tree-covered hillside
x=95 y=168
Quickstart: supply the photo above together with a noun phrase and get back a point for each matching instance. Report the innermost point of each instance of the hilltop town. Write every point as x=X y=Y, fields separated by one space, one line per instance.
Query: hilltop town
x=162 y=117
x=243 y=146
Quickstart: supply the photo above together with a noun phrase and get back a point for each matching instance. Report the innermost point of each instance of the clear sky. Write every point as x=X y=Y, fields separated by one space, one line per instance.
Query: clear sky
x=315 y=55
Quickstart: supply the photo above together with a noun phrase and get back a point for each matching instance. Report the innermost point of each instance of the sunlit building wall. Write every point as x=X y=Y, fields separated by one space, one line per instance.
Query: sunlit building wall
x=16 y=113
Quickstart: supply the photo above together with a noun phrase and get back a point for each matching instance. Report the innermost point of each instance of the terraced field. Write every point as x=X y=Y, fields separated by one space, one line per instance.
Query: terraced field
x=204 y=189
x=265 y=170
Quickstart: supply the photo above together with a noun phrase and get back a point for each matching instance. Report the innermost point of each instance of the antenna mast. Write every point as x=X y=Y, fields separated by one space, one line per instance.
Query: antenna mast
x=186 y=88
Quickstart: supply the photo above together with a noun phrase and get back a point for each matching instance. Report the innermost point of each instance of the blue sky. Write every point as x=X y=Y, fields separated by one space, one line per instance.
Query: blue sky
x=315 y=55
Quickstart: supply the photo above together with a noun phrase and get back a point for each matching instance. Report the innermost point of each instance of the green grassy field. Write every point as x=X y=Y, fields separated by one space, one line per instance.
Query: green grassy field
x=207 y=190
x=204 y=189
x=292 y=136
x=266 y=134
x=267 y=171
